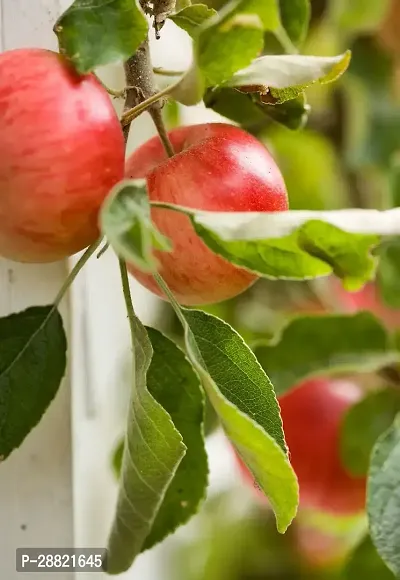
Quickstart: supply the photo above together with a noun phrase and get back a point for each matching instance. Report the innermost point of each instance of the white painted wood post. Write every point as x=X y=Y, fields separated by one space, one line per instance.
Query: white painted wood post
x=36 y=499
x=58 y=490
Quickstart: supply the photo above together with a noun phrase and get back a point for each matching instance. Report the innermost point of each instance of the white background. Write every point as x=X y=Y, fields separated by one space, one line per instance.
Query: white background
x=57 y=489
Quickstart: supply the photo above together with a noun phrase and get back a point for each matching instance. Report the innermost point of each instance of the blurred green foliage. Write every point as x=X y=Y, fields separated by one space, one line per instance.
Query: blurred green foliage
x=347 y=156
x=236 y=539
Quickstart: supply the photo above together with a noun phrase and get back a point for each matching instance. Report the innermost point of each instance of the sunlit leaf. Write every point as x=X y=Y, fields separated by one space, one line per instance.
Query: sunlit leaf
x=245 y=402
x=279 y=78
x=191 y=17
x=313 y=250
x=236 y=35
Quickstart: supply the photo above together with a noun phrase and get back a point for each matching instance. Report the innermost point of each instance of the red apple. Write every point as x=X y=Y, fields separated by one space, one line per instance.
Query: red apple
x=61 y=151
x=318 y=548
x=312 y=415
x=368 y=298
x=217 y=167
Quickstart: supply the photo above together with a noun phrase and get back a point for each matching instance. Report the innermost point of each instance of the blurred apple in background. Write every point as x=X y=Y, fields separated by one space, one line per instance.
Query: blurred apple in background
x=368 y=298
x=312 y=413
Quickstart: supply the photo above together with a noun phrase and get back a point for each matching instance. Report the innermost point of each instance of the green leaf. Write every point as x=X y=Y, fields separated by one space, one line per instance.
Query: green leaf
x=125 y=220
x=359 y=15
x=383 y=498
x=32 y=363
x=363 y=424
x=371 y=63
x=314 y=250
x=349 y=255
x=225 y=44
x=365 y=563
x=295 y=17
x=153 y=451
x=245 y=402
x=328 y=345
x=191 y=17
x=279 y=78
x=176 y=387
x=236 y=39
x=181 y=4
x=116 y=458
x=93 y=33
x=389 y=273
x=394 y=178
x=248 y=109
x=293 y=114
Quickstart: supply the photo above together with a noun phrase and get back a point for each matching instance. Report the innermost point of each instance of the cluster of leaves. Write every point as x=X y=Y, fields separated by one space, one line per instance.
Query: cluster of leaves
x=96 y=33
x=163 y=472
x=239 y=391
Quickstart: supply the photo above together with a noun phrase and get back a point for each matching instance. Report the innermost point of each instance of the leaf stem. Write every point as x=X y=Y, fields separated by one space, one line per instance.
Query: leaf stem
x=134 y=112
x=103 y=250
x=76 y=269
x=167 y=73
x=128 y=298
x=174 y=303
x=112 y=92
x=285 y=41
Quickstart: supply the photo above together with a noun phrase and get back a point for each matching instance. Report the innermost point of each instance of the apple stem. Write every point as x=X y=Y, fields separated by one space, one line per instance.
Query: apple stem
x=158 y=121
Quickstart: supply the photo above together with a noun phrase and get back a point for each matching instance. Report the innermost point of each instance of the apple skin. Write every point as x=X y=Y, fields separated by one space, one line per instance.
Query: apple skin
x=312 y=413
x=318 y=548
x=217 y=167
x=368 y=299
x=61 y=151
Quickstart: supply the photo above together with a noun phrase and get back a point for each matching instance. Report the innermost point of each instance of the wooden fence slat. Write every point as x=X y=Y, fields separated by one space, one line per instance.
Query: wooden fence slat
x=36 y=499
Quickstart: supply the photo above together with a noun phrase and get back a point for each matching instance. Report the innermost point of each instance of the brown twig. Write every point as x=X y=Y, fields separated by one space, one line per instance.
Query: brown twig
x=139 y=74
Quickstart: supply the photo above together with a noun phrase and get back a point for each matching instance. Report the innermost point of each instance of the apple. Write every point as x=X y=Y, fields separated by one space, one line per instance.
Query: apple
x=319 y=548
x=345 y=302
x=217 y=167
x=368 y=298
x=312 y=413
x=61 y=151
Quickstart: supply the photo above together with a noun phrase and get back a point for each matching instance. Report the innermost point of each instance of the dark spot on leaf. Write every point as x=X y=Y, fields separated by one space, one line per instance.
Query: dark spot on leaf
x=261 y=89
